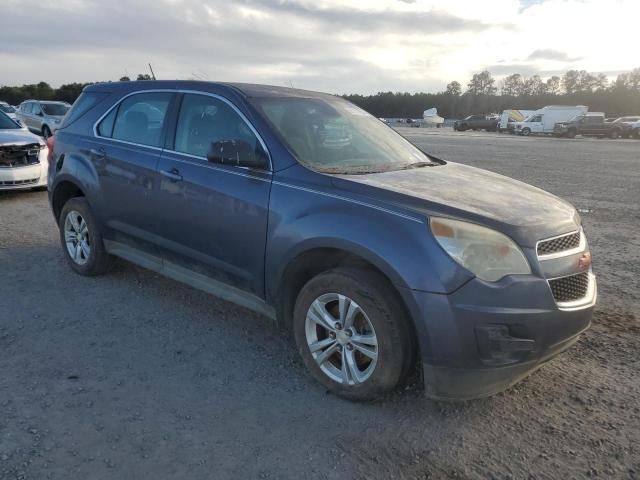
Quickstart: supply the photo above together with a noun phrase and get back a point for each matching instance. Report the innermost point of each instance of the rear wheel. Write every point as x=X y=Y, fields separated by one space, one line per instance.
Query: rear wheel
x=81 y=241
x=636 y=133
x=351 y=333
x=571 y=134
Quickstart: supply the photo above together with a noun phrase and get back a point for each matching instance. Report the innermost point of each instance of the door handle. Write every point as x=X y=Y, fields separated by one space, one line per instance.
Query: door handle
x=99 y=153
x=173 y=174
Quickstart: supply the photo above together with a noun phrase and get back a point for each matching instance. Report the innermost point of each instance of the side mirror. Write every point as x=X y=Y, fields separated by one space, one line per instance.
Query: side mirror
x=238 y=153
x=40 y=114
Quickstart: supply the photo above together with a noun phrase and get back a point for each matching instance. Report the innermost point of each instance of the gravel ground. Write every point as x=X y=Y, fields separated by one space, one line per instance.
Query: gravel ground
x=131 y=375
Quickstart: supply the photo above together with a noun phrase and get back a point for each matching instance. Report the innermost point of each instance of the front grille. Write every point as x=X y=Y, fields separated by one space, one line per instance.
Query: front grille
x=569 y=289
x=13 y=183
x=19 y=155
x=559 y=244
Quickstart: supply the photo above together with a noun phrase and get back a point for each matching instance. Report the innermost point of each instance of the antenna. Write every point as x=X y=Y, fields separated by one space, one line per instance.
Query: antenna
x=153 y=75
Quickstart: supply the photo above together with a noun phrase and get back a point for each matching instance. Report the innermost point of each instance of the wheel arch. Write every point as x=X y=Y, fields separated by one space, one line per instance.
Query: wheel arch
x=63 y=191
x=310 y=262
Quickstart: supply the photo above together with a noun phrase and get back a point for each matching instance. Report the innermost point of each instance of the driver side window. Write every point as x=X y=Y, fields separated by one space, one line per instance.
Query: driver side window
x=204 y=120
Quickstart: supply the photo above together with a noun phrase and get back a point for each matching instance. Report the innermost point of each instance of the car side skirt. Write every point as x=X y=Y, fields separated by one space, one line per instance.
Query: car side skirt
x=191 y=278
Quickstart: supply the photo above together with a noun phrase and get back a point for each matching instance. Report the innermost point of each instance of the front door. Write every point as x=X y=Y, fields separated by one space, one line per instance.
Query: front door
x=213 y=216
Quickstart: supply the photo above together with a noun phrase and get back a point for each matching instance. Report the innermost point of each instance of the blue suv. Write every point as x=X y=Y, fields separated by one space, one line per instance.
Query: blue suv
x=379 y=258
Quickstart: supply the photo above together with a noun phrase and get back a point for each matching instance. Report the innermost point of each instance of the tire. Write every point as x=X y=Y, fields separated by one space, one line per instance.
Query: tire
x=571 y=134
x=636 y=134
x=526 y=132
x=92 y=260
x=46 y=132
x=614 y=134
x=377 y=315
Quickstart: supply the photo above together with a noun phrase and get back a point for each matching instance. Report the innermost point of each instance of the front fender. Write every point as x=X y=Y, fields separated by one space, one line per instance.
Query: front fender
x=399 y=245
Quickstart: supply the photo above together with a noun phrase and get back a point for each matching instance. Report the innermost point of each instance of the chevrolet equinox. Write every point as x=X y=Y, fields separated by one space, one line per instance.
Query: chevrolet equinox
x=379 y=258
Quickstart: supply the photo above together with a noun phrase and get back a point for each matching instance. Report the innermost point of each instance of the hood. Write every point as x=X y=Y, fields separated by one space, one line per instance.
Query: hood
x=18 y=136
x=524 y=212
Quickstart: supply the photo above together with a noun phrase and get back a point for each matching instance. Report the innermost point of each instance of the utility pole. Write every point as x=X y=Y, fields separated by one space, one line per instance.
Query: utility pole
x=153 y=75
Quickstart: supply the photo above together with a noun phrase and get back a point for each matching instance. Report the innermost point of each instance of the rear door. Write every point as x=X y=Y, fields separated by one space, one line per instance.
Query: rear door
x=214 y=216
x=126 y=151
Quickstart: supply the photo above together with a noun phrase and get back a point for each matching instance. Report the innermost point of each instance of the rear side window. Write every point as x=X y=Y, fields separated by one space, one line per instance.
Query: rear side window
x=138 y=119
x=82 y=105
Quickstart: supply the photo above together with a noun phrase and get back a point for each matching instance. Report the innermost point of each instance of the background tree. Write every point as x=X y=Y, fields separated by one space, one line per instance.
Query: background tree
x=454 y=88
x=512 y=85
x=534 y=86
x=553 y=85
x=125 y=79
x=482 y=84
x=144 y=76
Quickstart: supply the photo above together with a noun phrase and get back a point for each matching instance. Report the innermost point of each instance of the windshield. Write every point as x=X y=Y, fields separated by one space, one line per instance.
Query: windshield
x=7 y=109
x=577 y=118
x=58 y=109
x=334 y=136
x=6 y=123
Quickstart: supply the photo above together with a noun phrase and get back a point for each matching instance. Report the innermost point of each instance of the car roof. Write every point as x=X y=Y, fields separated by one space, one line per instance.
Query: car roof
x=249 y=90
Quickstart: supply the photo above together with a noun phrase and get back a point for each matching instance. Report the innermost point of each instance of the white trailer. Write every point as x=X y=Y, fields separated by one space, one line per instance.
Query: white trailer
x=543 y=120
x=510 y=116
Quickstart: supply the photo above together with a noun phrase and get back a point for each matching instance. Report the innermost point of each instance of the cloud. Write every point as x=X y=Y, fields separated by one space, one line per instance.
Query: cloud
x=551 y=54
x=340 y=46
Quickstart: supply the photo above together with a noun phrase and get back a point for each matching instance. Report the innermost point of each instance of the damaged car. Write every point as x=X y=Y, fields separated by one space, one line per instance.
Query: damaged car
x=23 y=157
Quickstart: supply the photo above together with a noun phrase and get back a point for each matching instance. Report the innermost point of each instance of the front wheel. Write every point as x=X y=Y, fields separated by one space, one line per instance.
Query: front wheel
x=81 y=241
x=571 y=134
x=614 y=133
x=351 y=333
x=526 y=132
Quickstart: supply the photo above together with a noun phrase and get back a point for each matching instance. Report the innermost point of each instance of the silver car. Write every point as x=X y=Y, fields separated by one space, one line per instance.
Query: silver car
x=42 y=117
x=23 y=157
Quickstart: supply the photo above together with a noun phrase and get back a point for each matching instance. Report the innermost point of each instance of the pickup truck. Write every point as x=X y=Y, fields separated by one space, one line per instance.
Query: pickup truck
x=477 y=122
x=590 y=124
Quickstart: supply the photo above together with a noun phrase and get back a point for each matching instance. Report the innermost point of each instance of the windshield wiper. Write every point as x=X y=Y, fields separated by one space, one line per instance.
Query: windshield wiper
x=420 y=165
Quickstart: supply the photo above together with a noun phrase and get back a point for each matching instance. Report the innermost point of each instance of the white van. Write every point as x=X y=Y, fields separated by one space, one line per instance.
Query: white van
x=543 y=120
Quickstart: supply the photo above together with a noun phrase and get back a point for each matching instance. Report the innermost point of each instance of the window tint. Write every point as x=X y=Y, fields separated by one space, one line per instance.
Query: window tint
x=26 y=108
x=35 y=108
x=82 y=105
x=139 y=119
x=204 y=120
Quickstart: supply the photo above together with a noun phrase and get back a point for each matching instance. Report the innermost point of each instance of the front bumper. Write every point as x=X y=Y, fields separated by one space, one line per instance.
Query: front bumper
x=485 y=337
x=29 y=176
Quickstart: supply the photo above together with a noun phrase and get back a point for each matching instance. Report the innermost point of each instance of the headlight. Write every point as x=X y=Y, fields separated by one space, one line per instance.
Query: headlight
x=488 y=254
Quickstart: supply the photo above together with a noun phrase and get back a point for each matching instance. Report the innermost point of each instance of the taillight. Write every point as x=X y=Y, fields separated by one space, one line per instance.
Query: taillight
x=51 y=141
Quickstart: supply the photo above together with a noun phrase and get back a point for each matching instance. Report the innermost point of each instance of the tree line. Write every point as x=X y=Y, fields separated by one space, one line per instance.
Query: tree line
x=483 y=94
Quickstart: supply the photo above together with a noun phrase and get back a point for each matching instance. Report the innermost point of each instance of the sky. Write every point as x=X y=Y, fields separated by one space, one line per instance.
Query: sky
x=337 y=46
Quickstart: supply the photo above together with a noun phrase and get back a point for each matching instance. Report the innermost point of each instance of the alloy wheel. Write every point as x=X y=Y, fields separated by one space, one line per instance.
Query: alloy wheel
x=76 y=237
x=341 y=339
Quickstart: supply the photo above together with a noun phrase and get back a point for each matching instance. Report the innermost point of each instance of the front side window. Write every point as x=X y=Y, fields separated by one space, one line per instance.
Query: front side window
x=138 y=119
x=205 y=120
x=332 y=135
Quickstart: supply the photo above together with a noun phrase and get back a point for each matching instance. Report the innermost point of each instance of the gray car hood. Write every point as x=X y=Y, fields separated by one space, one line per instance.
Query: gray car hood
x=18 y=137
x=456 y=190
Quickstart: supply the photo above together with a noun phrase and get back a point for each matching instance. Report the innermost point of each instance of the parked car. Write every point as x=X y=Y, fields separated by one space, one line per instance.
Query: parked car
x=627 y=125
x=23 y=157
x=305 y=208
x=543 y=121
x=591 y=124
x=42 y=117
x=477 y=122
x=8 y=110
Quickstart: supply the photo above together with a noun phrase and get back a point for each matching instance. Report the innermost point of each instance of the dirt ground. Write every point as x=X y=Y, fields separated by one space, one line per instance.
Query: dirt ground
x=131 y=375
